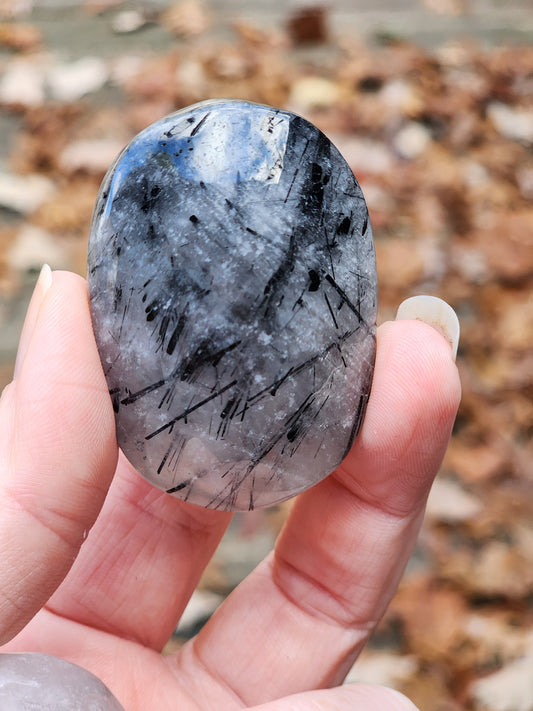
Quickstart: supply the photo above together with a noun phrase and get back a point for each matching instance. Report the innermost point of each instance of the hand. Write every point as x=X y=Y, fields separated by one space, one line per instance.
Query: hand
x=109 y=603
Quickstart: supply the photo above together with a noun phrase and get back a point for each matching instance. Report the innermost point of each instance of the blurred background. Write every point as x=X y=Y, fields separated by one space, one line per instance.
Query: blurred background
x=431 y=103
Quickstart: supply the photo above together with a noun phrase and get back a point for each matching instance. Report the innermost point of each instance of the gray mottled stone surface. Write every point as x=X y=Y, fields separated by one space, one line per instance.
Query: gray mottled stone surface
x=40 y=682
x=233 y=294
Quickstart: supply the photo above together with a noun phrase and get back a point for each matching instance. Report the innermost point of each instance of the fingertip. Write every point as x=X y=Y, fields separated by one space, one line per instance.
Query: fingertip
x=63 y=382
x=62 y=414
x=414 y=359
x=410 y=414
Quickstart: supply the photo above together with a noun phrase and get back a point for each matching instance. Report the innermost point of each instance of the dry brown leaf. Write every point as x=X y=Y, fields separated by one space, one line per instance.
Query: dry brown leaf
x=19 y=36
x=232 y=63
x=434 y=630
x=401 y=263
x=495 y=638
x=497 y=569
x=474 y=463
x=308 y=24
x=448 y=502
x=188 y=18
x=509 y=689
x=70 y=210
x=155 y=79
x=429 y=691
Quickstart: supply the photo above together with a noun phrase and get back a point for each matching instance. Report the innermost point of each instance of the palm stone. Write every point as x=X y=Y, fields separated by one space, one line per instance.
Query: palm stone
x=233 y=290
x=41 y=682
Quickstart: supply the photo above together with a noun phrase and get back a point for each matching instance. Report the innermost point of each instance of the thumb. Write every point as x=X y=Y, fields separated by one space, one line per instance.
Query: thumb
x=57 y=448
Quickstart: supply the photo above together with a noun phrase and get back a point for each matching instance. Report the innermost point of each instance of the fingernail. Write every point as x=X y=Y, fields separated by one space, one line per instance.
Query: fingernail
x=436 y=313
x=44 y=282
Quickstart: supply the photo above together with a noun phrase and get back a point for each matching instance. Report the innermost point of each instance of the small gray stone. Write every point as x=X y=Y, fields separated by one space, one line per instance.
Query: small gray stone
x=233 y=294
x=40 y=682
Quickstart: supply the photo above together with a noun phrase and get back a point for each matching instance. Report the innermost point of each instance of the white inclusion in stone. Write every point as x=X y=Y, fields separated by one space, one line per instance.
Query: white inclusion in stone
x=257 y=156
x=264 y=339
x=40 y=682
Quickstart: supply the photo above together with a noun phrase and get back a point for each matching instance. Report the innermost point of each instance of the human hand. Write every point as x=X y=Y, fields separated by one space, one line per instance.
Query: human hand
x=291 y=631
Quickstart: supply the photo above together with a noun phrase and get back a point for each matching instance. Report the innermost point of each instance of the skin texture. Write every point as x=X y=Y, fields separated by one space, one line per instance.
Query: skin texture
x=97 y=566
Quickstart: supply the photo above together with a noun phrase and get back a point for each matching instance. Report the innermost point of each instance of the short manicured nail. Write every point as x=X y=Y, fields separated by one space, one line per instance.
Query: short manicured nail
x=436 y=313
x=44 y=282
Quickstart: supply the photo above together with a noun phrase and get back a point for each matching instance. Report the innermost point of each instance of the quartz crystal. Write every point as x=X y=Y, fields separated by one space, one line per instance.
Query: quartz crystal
x=40 y=682
x=233 y=295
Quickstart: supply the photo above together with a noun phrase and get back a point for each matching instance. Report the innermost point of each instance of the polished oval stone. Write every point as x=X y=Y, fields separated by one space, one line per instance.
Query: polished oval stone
x=233 y=294
x=31 y=682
